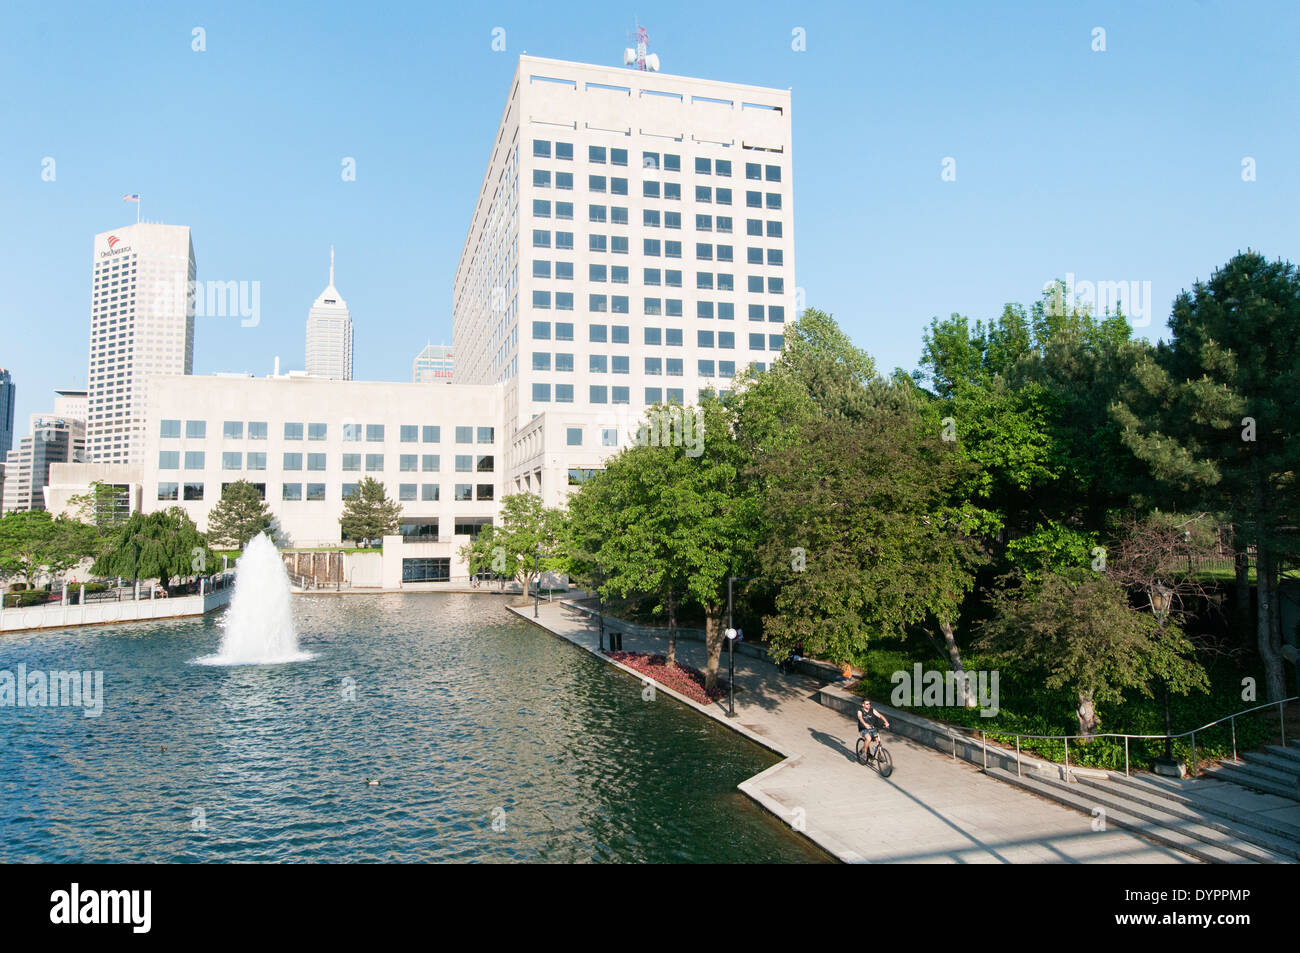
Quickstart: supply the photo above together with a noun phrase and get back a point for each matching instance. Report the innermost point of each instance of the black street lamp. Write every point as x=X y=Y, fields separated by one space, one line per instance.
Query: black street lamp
x=537 y=581
x=731 y=642
x=1162 y=600
x=731 y=672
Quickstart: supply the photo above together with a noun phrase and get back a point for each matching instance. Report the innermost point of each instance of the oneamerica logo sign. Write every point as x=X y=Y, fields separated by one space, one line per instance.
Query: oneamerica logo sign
x=113 y=250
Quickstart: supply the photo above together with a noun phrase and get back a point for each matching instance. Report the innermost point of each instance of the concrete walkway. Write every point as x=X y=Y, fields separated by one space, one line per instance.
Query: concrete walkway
x=931 y=810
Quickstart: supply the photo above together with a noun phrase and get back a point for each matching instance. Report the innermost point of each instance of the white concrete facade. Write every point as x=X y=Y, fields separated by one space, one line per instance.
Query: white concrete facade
x=141 y=326
x=307 y=440
x=632 y=243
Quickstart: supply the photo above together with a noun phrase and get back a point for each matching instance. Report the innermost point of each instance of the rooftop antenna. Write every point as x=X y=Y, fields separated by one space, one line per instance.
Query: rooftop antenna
x=639 y=58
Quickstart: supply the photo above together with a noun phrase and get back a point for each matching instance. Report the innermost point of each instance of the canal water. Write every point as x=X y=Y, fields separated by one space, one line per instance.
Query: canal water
x=490 y=741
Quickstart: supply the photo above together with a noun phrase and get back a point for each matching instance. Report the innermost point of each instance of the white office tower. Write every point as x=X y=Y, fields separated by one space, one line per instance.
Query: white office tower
x=631 y=244
x=329 y=334
x=141 y=326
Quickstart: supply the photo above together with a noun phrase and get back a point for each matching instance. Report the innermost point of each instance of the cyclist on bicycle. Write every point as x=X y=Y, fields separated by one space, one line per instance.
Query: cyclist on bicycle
x=868 y=724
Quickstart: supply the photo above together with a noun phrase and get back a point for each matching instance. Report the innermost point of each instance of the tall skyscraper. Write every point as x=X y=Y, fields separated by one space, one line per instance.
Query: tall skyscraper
x=7 y=396
x=329 y=334
x=632 y=243
x=141 y=326
x=434 y=363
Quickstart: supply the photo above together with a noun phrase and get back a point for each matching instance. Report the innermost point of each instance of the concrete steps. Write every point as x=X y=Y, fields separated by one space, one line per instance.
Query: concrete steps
x=1200 y=796
x=1257 y=777
x=1276 y=839
x=1170 y=824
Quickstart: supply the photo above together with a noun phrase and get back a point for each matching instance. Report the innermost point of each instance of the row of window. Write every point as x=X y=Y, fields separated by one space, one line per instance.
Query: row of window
x=601 y=394
x=374 y=462
x=374 y=433
x=315 y=492
x=668 y=162
x=673 y=366
x=653 y=189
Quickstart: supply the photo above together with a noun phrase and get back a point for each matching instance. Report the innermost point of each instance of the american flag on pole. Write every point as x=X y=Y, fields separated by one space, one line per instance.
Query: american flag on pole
x=131 y=197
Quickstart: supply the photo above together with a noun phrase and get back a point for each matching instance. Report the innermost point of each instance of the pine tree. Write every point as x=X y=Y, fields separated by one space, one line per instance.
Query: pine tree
x=1212 y=413
x=369 y=513
x=240 y=515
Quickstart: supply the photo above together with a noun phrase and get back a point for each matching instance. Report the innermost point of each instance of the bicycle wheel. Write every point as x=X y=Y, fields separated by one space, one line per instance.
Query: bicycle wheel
x=884 y=763
x=862 y=751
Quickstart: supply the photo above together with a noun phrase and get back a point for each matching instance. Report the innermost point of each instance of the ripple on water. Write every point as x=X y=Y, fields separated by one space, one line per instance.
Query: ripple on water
x=492 y=741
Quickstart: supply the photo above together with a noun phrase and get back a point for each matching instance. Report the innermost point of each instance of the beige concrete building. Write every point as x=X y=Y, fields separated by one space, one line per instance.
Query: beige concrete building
x=632 y=244
x=307 y=442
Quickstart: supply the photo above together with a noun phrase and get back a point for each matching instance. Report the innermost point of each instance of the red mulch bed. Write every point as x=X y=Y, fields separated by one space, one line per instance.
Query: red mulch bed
x=680 y=678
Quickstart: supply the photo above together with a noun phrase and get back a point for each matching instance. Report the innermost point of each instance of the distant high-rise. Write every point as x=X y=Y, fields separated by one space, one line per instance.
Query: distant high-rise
x=6 y=412
x=434 y=363
x=59 y=437
x=141 y=326
x=329 y=334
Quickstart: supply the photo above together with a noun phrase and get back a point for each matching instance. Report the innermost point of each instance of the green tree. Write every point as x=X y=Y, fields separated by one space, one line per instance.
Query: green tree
x=240 y=515
x=1211 y=413
x=165 y=545
x=105 y=506
x=525 y=530
x=668 y=519
x=1078 y=627
x=33 y=542
x=369 y=514
x=864 y=539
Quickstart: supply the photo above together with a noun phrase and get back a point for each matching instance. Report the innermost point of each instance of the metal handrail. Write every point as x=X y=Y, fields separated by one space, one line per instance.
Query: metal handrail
x=984 y=733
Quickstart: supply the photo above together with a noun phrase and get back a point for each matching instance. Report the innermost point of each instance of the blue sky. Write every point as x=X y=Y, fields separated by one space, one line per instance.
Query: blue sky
x=1122 y=165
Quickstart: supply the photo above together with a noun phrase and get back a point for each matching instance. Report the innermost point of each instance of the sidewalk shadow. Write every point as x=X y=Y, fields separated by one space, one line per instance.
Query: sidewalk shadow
x=834 y=744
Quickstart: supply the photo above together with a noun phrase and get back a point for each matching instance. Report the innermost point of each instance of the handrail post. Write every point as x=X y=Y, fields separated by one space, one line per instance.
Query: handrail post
x=985 y=741
x=1018 y=756
x=1066 y=775
x=1126 y=774
x=1193 y=754
x=1233 y=719
x=1281 y=717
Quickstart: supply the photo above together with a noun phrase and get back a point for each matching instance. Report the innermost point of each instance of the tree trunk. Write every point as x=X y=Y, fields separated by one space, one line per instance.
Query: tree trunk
x=954 y=660
x=1241 y=569
x=714 y=636
x=1274 y=676
x=672 y=630
x=1087 y=715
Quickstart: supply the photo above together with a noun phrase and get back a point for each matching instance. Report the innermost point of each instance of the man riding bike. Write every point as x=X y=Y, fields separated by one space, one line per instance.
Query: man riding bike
x=868 y=724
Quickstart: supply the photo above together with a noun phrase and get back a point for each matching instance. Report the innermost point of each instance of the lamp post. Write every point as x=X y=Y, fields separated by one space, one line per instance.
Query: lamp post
x=1162 y=598
x=731 y=642
x=537 y=583
x=731 y=671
